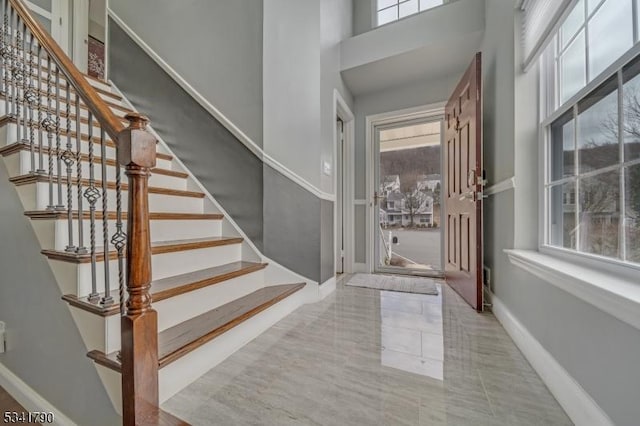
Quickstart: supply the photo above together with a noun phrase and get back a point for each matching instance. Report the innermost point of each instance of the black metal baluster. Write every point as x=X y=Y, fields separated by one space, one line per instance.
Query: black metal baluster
x=10 y=55
x=39 y=102
x=92 y=194
x=81 y=248
x=48 y=125
x=6 y=52
x=119 y=239
x=17 y=74
x=25 y=86
x=31 y=96
x=3 y=39
x=60 y=205
x=68 y=157
x=107 y=299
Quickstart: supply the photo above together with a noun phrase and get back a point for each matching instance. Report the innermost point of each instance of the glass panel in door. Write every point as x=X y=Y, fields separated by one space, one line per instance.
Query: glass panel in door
x=409 y=198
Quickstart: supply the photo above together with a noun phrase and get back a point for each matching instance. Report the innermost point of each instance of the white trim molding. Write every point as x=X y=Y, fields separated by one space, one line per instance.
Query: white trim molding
x=29 y=398
x=218 y=115
x=616 y=295
x=576 y=402
x=501 y=186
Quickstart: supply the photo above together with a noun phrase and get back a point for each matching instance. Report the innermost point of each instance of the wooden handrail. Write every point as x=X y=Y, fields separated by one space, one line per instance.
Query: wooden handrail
x=98 y=107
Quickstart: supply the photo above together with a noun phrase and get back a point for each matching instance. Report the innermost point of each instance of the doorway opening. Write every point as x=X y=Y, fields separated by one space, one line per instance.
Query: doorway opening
x=409 y=196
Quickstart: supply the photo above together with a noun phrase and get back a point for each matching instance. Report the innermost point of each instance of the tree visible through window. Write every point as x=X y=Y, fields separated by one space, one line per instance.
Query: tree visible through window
x=392 y=10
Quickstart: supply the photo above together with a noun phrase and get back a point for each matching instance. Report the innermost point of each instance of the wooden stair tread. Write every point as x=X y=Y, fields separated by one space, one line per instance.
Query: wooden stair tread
x=156 y=248
x=63 y=135
x=112 y=215
x=63 y=101
x=179 y=340
x=19 y=146
x=166 y=288
x=34 y=178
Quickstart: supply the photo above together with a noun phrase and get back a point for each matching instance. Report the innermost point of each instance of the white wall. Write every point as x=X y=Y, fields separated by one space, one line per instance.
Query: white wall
x=335 y=26
x=216 y=46
x=291 y=81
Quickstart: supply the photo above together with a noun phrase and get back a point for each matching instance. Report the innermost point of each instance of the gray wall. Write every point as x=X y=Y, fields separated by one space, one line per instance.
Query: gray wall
x=44 y=347
x=215 y=45
x=597 y=350
x=222 y=164
x=294 y=220
x=269 y=207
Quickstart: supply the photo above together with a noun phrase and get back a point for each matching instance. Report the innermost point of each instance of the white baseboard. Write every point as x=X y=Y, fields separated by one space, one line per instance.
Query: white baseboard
x=576 y=402
x=29 y=398
x=327 y=287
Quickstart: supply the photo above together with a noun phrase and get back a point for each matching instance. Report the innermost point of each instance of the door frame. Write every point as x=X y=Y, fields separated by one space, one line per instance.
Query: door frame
x=341 y=110
x=424 y=112
x=80 y=34
x=60 y=10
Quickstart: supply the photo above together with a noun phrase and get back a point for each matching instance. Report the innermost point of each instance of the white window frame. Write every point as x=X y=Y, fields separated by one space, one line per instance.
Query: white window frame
x=375 y=11
x=551 y=110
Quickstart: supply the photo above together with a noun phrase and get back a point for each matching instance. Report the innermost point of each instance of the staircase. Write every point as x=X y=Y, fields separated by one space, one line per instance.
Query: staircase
x=67 y=141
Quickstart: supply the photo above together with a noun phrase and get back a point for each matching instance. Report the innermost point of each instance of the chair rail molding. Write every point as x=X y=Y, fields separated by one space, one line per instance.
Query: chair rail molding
x=218 y=115
x=501 y=186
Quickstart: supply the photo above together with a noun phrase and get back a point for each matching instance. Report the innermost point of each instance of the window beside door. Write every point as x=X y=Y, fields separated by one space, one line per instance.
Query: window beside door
x=592 y=133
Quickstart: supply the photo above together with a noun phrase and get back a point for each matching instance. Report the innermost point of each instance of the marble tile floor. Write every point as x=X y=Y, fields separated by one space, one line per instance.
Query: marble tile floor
x=366 y=357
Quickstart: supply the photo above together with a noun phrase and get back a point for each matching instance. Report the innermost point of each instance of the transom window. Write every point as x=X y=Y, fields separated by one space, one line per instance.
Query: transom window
x=392 y=10
x=592 y=179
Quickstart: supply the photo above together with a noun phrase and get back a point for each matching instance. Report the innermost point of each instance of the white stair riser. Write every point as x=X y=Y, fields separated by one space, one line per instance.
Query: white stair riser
x=21 y=165
x=76 y=278
x=184 y=371
x=54 y=233
x=9 y=133
x=83 y=111
x=36 y=197
x=99 y=333
x=177 y=309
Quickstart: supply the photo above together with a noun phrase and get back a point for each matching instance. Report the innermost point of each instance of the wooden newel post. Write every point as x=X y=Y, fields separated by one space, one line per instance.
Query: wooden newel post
x=139 y=351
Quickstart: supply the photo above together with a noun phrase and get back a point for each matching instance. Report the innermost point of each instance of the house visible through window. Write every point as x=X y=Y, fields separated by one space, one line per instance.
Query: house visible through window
x=592 y=184
x=392 y=10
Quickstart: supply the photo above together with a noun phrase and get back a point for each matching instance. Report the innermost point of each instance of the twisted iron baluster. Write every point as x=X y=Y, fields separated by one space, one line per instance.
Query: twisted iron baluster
x=31 y=97
x=68 y=157
x=119 y=239
x=25 y=86
x=39 y=101
x=49 y=126
x=6 y=52
x=107 y=299
x=92 y=194
x=17 y=73
x=3 y=82
x=60 y=205
x=10 y=57
x=81 y=248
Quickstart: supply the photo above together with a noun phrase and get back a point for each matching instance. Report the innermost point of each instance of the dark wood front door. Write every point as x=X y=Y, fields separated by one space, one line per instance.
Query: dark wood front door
x=463 y=187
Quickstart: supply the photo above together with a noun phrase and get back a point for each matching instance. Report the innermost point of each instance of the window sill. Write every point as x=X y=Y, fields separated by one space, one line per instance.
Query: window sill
x=617 y=296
